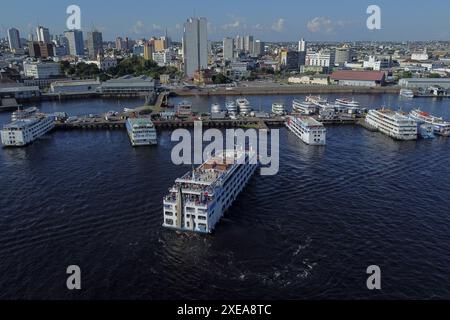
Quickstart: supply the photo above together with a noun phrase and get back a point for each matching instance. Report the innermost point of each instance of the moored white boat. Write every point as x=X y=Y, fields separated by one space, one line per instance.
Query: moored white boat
x=244 y=106
x=347 y=103
x=278 y=109
x=199 y=199
x=393 y=124
x=440 y=126
x=309 y=130
x=304 y=107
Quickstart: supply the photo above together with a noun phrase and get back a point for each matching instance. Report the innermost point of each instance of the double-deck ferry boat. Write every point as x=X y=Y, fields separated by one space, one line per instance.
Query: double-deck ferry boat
x=347 y=103
x=244 y=106
x=304 y=107
x=308 y=129
x=199 y=199
x=142 y=132
x=216 y=108
x=22 y=132
x=393 y=124
x=24 y=114
x=317 y=100
x=232 y=109
x=184 y=109
x=278 y=109
x=440 y=126
x=407 y=93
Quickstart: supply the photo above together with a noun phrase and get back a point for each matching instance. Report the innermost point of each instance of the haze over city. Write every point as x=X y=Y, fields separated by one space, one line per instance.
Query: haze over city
x=275 y=21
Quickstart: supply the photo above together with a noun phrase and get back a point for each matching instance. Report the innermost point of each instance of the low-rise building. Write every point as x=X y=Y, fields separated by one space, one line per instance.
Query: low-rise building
x=41 y=70
x=311 y=80
x=19 y=92
x=359 y=78
x=203 y=76
x=162 y=58
x=128 y=85
x=425 y=83
x=79 y=86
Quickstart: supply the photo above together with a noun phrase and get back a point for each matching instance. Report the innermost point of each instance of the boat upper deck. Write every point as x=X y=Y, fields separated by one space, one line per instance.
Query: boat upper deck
x=309 y=121
x=214 y=169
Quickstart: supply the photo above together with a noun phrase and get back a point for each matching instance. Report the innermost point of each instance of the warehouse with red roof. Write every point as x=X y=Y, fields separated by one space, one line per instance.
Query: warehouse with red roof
x=359 y=78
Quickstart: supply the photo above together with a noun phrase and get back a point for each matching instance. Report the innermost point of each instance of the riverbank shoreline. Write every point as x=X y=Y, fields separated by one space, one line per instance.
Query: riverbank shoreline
x=286 y=90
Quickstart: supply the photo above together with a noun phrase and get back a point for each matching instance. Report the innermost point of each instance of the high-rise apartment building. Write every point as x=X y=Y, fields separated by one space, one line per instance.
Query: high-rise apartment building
x=13 y=38
x=76 y=43
x=195 y=45
x=43 y=34
x=95 y=44
x=228 y=49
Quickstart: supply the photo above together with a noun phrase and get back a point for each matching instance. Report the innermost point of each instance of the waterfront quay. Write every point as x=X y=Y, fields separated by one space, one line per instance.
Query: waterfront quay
x=207 y=122
x=101 y=124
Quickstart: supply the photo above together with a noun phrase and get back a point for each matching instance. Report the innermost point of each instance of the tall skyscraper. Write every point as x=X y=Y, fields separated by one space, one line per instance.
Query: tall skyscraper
x=239 y=43
x=95 y=44
x=195 y=45
x=43 y=34
x=76 y=43
x=119 y=43
x=14 y=39
x=302 y=45
x=248 y=44
x=228 y=49
x=149 y=49
x=259 y=48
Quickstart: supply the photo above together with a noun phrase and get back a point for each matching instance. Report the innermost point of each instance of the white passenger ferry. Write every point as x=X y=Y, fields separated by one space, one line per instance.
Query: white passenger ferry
x=22 y=132
x=216 y=108
x=184 y=109
x=200 y=198
x=142 y=132
x=393 y=124
x=232 y=109
x=278 y=109
x=304 y=107
x=317 y=100
x=24 y=114
x=308 y=129
x=440 y=126
x=244 y=106
x=407 y=93
x=347 y=103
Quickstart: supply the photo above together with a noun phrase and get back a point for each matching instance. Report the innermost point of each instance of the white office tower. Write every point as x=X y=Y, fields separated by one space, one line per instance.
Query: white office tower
x=302 y=45
x=195 y=45
x=43 y=34
x=228 y=49
x=76 y=42
x=13 y=39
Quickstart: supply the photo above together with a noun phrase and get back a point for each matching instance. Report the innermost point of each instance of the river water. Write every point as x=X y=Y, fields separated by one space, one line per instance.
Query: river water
x=88 y=198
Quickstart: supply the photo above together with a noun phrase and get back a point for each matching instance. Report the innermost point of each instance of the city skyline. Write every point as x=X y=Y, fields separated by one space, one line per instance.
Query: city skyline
x=285 y=21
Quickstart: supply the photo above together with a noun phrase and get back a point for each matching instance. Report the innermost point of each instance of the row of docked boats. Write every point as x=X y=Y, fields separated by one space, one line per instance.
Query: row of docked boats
x=311 y=105
x=407 y=126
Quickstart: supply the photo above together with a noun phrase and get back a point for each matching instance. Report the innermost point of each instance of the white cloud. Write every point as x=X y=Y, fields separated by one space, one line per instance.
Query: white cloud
x=138 y=27
x=237 y=23
x=321 y=24
x=278 y=26
x=157 y=27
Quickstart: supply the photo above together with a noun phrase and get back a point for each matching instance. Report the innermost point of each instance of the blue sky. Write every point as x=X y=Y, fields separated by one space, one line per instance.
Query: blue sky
x=281 y=20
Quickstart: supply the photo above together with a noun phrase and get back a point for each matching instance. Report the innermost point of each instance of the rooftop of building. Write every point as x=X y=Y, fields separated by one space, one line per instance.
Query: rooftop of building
x=358 y=75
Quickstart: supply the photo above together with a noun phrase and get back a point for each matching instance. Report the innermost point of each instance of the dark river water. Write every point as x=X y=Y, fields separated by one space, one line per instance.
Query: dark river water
x=88 y=198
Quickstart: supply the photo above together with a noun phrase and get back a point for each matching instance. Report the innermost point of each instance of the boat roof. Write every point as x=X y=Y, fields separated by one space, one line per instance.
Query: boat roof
x=213 y=169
